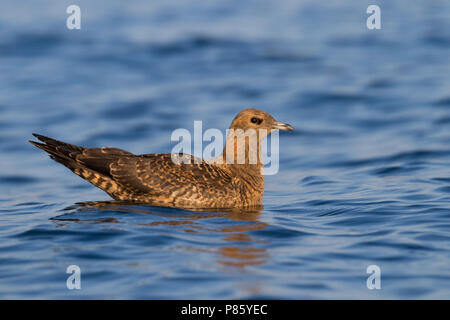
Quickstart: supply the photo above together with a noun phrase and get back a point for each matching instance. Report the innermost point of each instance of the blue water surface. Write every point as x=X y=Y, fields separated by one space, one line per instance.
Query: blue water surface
x=363 y=180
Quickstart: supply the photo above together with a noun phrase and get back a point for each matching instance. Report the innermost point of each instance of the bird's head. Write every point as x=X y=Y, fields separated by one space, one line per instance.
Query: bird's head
x=257 y=119
x=247 y=132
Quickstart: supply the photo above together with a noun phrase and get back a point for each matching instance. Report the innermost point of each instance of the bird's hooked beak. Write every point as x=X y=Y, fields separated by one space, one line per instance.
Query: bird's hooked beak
x=282 y=126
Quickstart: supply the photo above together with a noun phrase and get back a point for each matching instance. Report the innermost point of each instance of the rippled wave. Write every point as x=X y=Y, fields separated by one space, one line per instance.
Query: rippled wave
x=363 y=180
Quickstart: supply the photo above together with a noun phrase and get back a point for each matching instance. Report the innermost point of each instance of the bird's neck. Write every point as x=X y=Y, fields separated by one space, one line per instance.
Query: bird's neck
x=242 y=158
x=243 y=149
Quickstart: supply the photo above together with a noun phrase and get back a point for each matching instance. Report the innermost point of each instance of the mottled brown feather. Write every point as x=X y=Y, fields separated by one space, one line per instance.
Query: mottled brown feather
x=157 y=180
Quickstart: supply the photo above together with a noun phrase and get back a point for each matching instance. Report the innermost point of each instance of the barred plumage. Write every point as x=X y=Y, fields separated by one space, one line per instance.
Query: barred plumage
x=155 y=179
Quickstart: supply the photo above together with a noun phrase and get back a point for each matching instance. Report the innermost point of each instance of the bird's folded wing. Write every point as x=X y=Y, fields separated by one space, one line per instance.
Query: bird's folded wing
x=157 y=174
x=101 y=159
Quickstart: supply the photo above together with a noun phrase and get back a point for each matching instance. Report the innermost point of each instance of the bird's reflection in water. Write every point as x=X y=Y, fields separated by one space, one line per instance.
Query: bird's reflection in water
x=239 y=248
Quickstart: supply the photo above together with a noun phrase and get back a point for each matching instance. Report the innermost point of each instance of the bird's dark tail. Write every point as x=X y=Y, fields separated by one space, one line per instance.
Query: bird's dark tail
x=89 y=164
x=59 y=151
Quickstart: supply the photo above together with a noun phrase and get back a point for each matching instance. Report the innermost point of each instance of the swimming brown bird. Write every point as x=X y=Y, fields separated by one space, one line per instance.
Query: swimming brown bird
x=234 y=179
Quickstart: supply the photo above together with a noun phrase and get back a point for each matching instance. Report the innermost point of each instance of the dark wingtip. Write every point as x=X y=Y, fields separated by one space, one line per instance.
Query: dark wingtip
x=36 y=144
x=40 y=136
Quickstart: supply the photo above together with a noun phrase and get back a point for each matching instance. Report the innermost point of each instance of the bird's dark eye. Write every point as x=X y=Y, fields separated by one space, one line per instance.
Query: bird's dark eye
x=256 y=120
